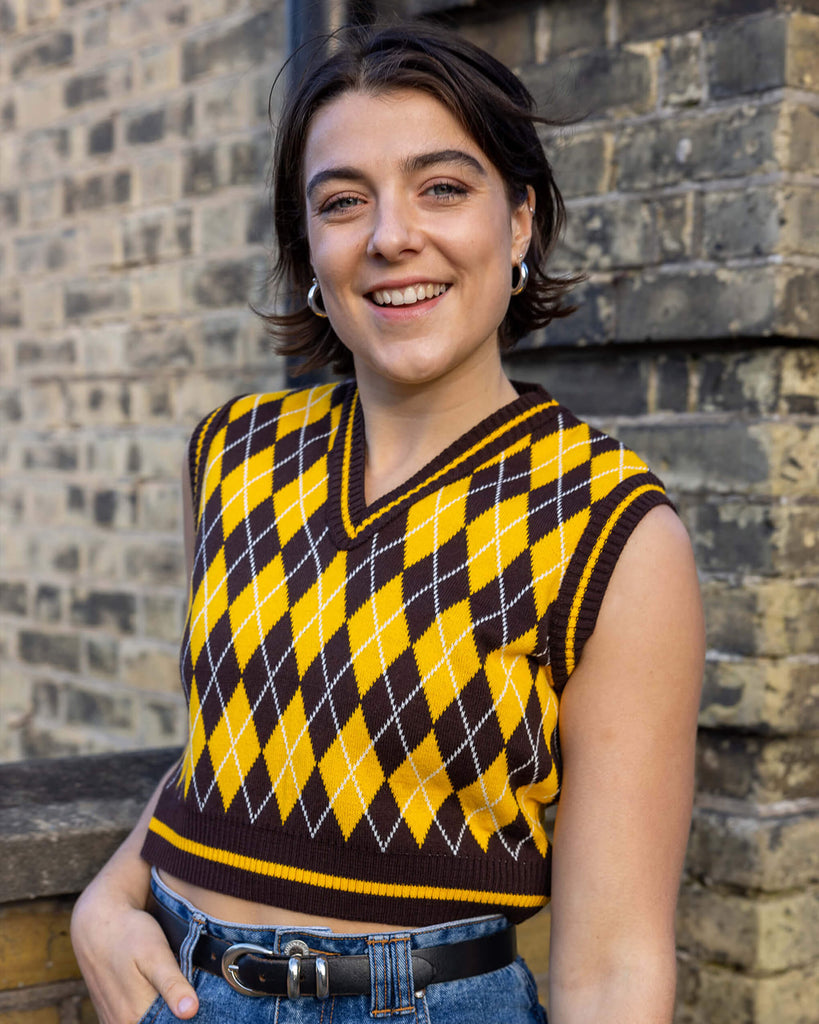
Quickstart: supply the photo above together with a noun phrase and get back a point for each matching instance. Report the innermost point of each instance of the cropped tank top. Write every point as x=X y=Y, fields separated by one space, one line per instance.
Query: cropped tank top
x=373 y=689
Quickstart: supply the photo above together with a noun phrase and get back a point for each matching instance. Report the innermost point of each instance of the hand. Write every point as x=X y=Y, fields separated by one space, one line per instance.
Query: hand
x=124 y=956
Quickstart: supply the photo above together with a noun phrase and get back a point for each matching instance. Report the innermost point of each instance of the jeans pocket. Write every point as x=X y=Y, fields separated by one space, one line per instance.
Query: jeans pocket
x=151 y=1013
x=522 y=969
x=508 y=995
x=159 y=1012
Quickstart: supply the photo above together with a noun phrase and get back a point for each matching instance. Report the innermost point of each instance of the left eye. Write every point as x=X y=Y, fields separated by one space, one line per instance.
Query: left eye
x=342 y=203
x=446 y=189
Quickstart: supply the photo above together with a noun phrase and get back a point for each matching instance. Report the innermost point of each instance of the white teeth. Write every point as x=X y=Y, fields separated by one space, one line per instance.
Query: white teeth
x=408 y=296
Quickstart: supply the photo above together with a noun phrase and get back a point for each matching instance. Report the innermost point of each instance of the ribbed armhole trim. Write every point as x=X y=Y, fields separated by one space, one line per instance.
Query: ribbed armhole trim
x=199 y=443
x=587 y=576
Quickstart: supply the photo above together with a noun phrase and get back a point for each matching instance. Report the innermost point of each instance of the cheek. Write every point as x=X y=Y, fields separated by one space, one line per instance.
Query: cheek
x=333 y=257
x=490 y=241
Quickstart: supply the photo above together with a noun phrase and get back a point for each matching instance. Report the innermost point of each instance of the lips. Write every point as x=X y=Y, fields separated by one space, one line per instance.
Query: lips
x=409 y=295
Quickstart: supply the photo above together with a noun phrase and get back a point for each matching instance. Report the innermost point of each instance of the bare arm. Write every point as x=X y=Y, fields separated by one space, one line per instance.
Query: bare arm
x=121 y=950
x=627 y=729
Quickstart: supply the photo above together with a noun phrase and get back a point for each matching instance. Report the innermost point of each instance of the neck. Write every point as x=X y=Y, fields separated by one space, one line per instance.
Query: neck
x=406 y=426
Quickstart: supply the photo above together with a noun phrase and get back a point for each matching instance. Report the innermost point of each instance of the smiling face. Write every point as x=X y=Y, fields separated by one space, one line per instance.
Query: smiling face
x=412 y=237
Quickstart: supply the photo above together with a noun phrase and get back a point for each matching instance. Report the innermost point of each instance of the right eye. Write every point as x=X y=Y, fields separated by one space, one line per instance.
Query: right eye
x=338 y=204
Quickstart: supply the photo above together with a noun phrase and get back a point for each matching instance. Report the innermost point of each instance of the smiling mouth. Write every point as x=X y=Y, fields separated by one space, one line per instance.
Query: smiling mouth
x=407 y=296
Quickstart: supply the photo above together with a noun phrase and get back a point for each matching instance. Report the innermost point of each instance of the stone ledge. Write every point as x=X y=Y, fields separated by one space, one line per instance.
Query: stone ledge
x=61 y=818
x=690 y=303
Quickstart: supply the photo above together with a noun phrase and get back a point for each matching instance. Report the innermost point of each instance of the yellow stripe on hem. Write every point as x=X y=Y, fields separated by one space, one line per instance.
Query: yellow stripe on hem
x=590 y=566
x=325 y=881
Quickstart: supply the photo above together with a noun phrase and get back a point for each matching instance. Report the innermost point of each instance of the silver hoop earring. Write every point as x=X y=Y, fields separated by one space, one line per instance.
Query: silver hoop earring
x=523 y=278
x=314 y=300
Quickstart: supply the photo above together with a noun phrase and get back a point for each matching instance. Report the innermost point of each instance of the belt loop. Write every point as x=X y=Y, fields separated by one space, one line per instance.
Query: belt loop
x=195 y=929
x=392 y=989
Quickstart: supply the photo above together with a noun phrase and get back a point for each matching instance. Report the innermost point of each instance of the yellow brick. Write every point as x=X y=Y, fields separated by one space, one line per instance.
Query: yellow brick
x=88 y=1014
x=792 y=449
x=35 y=947
x=770 y=934
x=43 y=1015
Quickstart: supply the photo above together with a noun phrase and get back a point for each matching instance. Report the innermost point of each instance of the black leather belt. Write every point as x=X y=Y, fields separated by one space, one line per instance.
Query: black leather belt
x=298 y=971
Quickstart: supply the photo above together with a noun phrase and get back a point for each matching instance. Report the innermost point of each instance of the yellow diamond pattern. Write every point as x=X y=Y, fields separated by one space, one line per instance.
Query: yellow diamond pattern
x=549 y=460
x=384 y=626
x=447 y=657
x=434 y=520
x=289 y=756
x=606 y=473
x=298 y=411
x=533 y=797
x=547 y=570
x=378 y=634
x=510 y=679
x=213 y=466
x=196 y=738
x=351 y=773
x=210 y=603
x=495 y=538
x=245 y=487
x=257 y=609
x=297 y=501
x=233 y=745
x=243 y=405
x=488 y=802
x=424 y=777
x=319 y=614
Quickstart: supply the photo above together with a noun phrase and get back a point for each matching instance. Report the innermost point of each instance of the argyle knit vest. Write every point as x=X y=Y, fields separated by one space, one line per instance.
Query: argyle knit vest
x=373 y=689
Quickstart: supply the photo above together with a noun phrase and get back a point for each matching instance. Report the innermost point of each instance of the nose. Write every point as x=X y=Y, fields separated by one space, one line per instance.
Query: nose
x=395 y=228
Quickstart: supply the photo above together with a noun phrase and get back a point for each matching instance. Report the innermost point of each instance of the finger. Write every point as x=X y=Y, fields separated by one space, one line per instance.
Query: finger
x=165 y=976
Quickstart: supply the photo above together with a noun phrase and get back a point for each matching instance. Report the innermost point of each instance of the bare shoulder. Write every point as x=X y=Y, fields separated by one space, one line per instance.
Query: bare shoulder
x=657 y=554
x=654 y=591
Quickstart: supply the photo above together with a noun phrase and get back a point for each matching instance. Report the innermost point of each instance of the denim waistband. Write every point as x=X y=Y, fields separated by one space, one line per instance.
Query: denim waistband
x=391 y=968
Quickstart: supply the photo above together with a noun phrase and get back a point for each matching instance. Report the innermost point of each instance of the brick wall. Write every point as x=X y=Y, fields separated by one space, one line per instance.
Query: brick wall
x=134 y=228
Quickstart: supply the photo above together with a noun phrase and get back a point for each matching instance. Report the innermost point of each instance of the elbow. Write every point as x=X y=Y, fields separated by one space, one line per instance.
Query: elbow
x=635 y=985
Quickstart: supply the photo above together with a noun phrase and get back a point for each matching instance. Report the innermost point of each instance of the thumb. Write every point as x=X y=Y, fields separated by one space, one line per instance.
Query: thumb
x=165 y=976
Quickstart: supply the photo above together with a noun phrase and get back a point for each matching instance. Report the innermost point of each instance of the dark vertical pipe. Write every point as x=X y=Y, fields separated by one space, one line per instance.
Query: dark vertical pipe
x=306 y=20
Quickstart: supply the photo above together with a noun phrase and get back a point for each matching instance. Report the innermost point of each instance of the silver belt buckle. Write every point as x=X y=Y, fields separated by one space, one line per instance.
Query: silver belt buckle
x=230 y=970
x=296 y=949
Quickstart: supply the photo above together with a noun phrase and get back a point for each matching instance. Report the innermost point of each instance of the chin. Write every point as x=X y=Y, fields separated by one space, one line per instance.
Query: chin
x=415 y=369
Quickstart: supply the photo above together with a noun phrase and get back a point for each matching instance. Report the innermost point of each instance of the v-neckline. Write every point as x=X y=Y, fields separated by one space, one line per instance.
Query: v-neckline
x=352 y=520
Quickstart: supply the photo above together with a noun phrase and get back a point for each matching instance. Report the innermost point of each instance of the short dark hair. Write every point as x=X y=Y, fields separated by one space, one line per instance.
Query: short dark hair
x=488 y=100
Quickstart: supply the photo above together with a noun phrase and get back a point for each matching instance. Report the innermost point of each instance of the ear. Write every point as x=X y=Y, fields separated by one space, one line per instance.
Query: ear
x=522 y=219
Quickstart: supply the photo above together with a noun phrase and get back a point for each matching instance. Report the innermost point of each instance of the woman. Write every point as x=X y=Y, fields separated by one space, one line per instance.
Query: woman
x=393 y=580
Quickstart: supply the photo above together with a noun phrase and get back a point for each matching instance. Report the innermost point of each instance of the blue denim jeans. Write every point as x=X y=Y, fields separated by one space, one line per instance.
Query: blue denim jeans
x=505 y=996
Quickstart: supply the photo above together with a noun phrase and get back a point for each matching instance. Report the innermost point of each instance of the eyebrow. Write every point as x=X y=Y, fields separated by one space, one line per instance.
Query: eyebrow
x=409 y=166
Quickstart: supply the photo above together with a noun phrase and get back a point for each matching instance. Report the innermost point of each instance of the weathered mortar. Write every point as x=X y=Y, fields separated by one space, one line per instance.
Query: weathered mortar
x=134 y=226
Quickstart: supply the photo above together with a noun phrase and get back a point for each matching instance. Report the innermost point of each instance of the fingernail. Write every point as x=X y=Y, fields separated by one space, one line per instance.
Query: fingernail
x=186 y=1004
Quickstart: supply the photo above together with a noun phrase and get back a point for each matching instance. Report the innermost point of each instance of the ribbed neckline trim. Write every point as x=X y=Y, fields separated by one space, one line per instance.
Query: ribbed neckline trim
x=351 y=520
